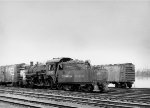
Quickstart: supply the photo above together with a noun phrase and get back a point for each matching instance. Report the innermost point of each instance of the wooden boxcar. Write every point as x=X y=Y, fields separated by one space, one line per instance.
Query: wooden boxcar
x=122 y=75
x=2 y=75
x=10 y=74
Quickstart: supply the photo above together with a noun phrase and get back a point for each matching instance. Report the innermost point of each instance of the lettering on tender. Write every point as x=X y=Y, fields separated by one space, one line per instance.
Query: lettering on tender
x=67 y=76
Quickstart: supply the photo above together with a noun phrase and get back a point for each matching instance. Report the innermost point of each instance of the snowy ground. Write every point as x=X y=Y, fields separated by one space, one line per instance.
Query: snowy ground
x=139 y=83
x=142 y=83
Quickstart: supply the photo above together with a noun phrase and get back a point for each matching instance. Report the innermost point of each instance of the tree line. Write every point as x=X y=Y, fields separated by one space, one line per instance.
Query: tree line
x=143 y=73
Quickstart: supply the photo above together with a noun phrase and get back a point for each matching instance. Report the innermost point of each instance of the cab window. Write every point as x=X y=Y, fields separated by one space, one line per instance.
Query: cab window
x=60 y=67
x=51 y=67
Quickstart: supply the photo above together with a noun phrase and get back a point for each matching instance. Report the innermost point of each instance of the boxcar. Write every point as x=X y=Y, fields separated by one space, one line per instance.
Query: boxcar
x=2 y=76
x=122 y=75
x=10 y=74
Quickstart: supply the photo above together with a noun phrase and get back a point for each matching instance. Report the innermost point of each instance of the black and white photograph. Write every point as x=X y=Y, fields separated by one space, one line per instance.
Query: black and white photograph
x=75 y=53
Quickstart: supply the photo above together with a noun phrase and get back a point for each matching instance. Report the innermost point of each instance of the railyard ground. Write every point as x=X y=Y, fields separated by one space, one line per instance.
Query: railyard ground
x=134 y=93
x=6 y=105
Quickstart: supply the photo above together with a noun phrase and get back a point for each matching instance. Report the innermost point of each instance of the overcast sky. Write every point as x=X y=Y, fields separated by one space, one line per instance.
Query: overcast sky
x=105 y=32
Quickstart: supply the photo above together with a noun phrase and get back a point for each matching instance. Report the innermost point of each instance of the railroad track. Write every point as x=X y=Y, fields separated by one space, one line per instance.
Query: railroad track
x=111 y=99
x=30 y=103
x=6 y=97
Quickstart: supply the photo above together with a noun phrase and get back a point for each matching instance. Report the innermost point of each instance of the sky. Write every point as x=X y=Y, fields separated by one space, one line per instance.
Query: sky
x=104 y=32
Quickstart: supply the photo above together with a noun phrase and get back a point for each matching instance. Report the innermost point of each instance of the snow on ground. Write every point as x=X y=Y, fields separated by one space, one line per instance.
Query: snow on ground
x=139 y=83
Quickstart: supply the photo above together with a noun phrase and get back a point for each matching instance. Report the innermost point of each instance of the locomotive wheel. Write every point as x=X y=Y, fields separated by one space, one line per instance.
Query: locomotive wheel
x=59 y=87
x=90 y=88
x=87 y=88
x=50 y=82
x=31 y=83
x=67 y=87
x=46 y=82
x=41 y=83
x=75 y=87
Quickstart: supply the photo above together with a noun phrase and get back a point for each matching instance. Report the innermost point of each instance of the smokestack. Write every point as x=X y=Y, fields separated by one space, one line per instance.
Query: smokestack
x=31 y=63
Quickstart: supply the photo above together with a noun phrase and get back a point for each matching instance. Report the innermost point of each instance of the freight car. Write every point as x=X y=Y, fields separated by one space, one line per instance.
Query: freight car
x=122 y=75
x=10 y=74
x=66 y=74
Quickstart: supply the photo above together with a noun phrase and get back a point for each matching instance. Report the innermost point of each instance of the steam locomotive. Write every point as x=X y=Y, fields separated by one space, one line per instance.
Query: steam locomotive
x=58 y=73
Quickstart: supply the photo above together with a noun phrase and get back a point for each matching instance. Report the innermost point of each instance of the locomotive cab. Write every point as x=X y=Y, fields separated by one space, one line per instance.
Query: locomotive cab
x=52 y=66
